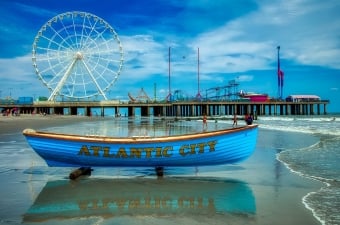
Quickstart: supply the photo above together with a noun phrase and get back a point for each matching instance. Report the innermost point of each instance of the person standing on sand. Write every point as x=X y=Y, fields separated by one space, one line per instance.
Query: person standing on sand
x=205 y=125
x=235 y=120
x=248 y=119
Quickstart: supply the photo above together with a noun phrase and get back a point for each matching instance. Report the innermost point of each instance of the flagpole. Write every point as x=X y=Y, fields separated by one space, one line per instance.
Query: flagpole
x=198 y=96
x=278 y=73
x=169 y=95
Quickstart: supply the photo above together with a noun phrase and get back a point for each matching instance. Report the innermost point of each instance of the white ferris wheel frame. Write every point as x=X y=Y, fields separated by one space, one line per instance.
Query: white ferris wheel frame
x=77 y=55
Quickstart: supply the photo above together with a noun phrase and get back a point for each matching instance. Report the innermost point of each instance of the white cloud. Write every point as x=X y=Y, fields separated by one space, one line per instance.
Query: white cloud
x=17 y=69
x=36 y=11
x=17 y=76
x=143 y=57
x=306 y=30
x=244 y=78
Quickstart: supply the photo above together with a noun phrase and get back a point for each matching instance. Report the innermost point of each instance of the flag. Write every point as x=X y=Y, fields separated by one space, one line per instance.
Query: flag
x=281 y=75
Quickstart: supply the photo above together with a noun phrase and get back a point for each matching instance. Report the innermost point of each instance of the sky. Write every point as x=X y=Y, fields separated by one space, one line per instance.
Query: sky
x=236 y=40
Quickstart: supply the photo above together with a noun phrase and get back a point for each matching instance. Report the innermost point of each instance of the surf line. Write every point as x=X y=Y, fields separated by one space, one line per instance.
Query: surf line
x=147 y=152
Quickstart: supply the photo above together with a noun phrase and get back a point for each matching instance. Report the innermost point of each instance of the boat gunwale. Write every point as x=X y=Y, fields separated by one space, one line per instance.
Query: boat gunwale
x=133 y=139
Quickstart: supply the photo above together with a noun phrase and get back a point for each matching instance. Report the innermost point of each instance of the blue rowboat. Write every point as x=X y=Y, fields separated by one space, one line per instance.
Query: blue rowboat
x=199 y=149
x=113 y=198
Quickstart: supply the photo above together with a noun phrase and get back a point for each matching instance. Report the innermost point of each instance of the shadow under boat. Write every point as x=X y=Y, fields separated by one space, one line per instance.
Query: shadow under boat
x=106 y=198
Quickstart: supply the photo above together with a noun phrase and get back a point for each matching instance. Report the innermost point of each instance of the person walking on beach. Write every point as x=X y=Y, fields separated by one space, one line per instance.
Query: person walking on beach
x=235 y=120
x=205 y=125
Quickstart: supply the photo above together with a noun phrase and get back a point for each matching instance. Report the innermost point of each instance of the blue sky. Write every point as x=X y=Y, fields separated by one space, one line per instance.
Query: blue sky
x=236 y=39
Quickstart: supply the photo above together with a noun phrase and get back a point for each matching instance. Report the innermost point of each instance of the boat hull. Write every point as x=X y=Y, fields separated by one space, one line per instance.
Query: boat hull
x=207 y=148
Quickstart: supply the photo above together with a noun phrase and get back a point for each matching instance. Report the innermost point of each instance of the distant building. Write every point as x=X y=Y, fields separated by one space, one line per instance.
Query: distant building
x=254 y=97
x=303 y=98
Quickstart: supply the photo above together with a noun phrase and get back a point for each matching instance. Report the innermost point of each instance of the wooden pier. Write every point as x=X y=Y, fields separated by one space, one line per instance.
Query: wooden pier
x=175 y=109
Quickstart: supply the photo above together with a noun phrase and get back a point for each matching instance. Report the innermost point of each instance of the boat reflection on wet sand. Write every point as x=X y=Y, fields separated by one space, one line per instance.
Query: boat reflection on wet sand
x=106 y=198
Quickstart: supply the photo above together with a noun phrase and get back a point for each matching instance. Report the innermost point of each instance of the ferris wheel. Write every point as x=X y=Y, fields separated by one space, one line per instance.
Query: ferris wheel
x=77 y=55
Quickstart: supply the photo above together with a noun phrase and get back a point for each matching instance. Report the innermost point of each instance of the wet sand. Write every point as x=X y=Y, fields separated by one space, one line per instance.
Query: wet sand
x=276 y=192
x=11 y=124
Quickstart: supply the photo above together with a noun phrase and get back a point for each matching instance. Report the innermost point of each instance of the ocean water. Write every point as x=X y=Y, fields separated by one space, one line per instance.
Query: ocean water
x=307 y=147
x=319 y=160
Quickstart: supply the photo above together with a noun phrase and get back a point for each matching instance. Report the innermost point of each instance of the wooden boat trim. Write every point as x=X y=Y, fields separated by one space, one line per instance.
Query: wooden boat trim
x=136 y=139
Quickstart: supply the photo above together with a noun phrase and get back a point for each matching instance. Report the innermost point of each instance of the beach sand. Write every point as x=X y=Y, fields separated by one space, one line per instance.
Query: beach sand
x=276 y=191
x=11 y=124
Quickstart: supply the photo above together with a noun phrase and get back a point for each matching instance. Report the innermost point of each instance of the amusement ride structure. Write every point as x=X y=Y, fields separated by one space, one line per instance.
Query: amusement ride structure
x=77 y=55
x=226 y=92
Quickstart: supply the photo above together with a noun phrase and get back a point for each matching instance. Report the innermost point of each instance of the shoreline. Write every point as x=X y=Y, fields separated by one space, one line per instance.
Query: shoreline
x=321 y=181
